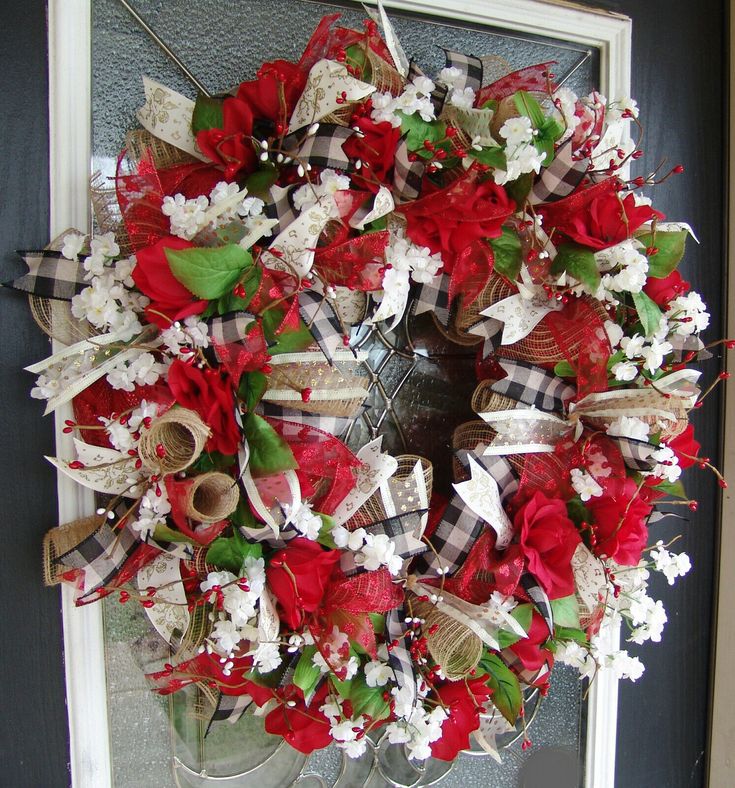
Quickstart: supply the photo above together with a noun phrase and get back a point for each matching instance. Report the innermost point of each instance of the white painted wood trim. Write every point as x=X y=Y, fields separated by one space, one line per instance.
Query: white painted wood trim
x=69 y=48
x=69 y=39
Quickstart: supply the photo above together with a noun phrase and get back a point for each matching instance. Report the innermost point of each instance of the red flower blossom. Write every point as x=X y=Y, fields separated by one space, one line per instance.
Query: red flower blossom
x=529 y=649
x=548 y=540
x=170 y=300
x=273 y=95
x=450 y=220
x=300 y=587
x=305 y=728
x=685 y=447
x=376 y=150
x=619 y=521
x=209 y=393
x=232 y=145
x=464 y=702
x=667 y=289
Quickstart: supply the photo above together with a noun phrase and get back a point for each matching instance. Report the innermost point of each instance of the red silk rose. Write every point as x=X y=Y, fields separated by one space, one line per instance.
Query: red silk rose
x=300 y=589
x=305 y=728
x=209 y=393
x=152 y=276
x=231 y=146
x=619 y=521
x=667 y=289
x=376 y=150
x=605 y=220
x=548 y=540
x=451 y=220
x=273 y=95
x=529 y=649
x=463 y=702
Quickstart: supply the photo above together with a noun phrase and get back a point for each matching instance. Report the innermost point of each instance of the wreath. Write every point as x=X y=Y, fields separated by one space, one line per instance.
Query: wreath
x=206 y=347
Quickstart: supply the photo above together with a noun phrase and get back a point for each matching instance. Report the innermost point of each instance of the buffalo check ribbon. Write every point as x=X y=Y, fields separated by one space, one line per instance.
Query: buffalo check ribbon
x=50 y=275
x=399 y=657
x=320 y=318
x=560 y=178
x=534 y=386
x=433 y=297
x=321 y=149
x=408 y=173
x=229 y=708
x=279 y=207
x=470 y=68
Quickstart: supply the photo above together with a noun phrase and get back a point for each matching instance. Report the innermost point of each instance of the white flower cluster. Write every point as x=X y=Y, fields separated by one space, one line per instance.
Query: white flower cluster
x=415 y=727
x=239 y=606
x=371 y=551
x=108 y=303
x=667 y=463
x=193 y=333
x=349 y=734
x=520 y=152
x=303 y=519
x=59 y=377
x=584 y=484
x=649 y=352
x=671 y=565
x=416 y=98
x=409 y=259
x=123 y=435
x=627 y=268
x=152 y=511
x=143 y=370
x=464 y=98
x=187 y=217
x=688 y=313
x=330 y=182
x=565 y=100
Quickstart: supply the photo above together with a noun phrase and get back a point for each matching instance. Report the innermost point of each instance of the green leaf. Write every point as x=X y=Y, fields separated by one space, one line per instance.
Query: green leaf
x=325 y=531
x=570 y=633
x=252 y=387
x=519 y=188
x=209 y=272
x=378 y=621
x=287 y=341
x=670 y=245
x=214 y=461
x=505 y=687
x=564 y=369
x=566 y=611
x=648 y=312
x=343 y=687
x=675 y=489
x=306 y=676
x=269 y=453
x=243 y=517
x=491 y=157
x=207 y=114
x=507 y=253
x=229 y=302
x=261 y=180
x=163 y=533
x=229 y=553
x=490 y=104
x=527 y=105
x=523 y=615
x=578 y=262
x=578 y=513
x=368 y=700
x=417 y=130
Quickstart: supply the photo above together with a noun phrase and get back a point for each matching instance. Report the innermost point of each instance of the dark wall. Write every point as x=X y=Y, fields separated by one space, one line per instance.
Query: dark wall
x=678 y=79
x=33 y=732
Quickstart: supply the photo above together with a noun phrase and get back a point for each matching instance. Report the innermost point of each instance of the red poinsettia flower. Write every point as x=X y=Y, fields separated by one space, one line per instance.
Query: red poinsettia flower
x=602 y=221
x=170 y=300
x=376 y=149
x=273 y=95
x=300 y=587
x=620 y=521
x=209 y=393
x=464 y=701
x=231 y=146
x=529 y=649
x=667 y=289
x=304 y=727
x=449 y=221
x=548 y=540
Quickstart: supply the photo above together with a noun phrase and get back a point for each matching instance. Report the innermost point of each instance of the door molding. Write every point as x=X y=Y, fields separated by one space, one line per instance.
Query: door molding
x=69 y=45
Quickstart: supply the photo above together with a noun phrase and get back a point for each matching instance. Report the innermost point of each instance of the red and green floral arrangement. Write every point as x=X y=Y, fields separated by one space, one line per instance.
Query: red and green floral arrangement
x=208 y=362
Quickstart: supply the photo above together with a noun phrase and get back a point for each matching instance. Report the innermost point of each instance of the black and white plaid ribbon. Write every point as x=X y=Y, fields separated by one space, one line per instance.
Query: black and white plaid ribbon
x=538 y=597
x=101 y=555
x=533 y=386
x=398 y=529
x=230 y=328
x=334 y=425
x=433 y=297
x=321 y=149
x=399 y=656
x=469 y=65
x=490 y=330
x=323 y=324
x=229 y=708
x=560 y=178
x=636 y=453
x=279 y=206
x=408 y=173
x=50 y=275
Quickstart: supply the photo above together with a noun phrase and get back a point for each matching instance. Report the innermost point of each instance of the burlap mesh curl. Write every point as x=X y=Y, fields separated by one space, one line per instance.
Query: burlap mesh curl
x=211 y=497
x=181 y=433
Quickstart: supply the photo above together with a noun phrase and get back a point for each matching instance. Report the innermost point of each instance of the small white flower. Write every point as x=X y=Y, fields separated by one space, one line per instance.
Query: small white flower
x=73 y=244
x=625 y=370
x=464 y=99
x=629 y=427
x=614 y=333
x=104 y=246
x=266 y=657
x=377 y=674
x=517 y=131
x=584 y=484
x=304 y=520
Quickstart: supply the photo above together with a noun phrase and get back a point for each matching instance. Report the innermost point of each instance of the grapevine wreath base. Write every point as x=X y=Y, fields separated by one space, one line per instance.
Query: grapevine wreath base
x=205 y=348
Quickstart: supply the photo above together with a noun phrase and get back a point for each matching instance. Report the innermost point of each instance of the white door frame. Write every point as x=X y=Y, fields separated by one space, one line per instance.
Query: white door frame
x=69 y=45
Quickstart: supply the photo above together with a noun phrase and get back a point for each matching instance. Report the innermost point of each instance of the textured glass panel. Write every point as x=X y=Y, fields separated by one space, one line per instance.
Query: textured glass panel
x=422 y=399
